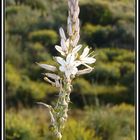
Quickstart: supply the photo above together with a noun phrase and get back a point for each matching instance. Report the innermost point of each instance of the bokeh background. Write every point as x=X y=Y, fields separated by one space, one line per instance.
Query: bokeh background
x=103 y=101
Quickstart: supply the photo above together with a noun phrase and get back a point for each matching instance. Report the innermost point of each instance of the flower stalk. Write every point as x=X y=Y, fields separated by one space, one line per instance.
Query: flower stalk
x=68 y=69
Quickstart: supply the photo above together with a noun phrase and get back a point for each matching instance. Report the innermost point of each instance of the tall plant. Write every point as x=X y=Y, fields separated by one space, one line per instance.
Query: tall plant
x=69 y=62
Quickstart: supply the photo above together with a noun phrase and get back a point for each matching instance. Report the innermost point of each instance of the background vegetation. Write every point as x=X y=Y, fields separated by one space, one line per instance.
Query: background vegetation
x=103 y=99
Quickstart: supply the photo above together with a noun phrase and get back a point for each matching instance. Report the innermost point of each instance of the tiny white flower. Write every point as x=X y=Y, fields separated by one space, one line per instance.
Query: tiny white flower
x=48 y=67
x=58 y=135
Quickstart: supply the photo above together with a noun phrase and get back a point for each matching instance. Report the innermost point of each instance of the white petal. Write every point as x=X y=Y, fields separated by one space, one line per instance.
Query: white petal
x=70 y=59
x=74 y=71
x=62 y=33
x=59 y=49
x=61 y=68
x=67 y=73
x=60 y=60
x=85 y=53
x=76 y=49
x=89 y=60
x=77 y=63
x=48 y=67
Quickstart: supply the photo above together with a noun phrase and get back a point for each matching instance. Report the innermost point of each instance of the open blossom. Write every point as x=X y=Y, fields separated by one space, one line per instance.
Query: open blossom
x=68 y=66
x=85 y=58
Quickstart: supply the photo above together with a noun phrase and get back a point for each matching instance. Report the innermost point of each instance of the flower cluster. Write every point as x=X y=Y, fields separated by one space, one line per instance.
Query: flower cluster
x=72 y=56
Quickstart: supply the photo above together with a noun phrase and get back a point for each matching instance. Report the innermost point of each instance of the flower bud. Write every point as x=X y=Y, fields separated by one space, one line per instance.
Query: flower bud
x=58 y=135
x=62 y=33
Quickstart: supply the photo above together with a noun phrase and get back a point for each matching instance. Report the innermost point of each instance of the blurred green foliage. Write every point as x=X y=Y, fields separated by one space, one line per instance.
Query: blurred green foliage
x=31 y=33
x=31 y=37
x=46 y=37
x=112 y=123
x=99 y=123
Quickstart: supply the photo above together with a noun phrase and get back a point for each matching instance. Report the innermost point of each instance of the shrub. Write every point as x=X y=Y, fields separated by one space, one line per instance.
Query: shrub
x=31 y=124
x=36 y=4
x=24 y=19
x=106 y=73
x=38 y=51
x=112 y=123
x=19 y=128
x=78 y=132
x=98 y=13
x=13 y=80
x=82 y=86
x=29 y=92
x=48 y=37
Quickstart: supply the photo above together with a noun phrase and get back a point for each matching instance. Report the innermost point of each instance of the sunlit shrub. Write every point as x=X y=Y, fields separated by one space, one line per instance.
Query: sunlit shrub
x=99 y=123
x=76 y=131
x=19 y=128
x=38 y=51
x=12 y=80
x=112 y=123
x=106 y=73
x=29 y=92
x=48 y=37
x=31 y=125
x=82 y=86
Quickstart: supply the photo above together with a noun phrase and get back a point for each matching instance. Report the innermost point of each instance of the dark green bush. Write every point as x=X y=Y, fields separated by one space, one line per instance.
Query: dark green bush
x=97 y=34
x=24 y=19
x=97 y=13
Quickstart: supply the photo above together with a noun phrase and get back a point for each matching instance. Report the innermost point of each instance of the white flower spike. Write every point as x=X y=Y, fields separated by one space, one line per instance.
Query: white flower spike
x=69 y=62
